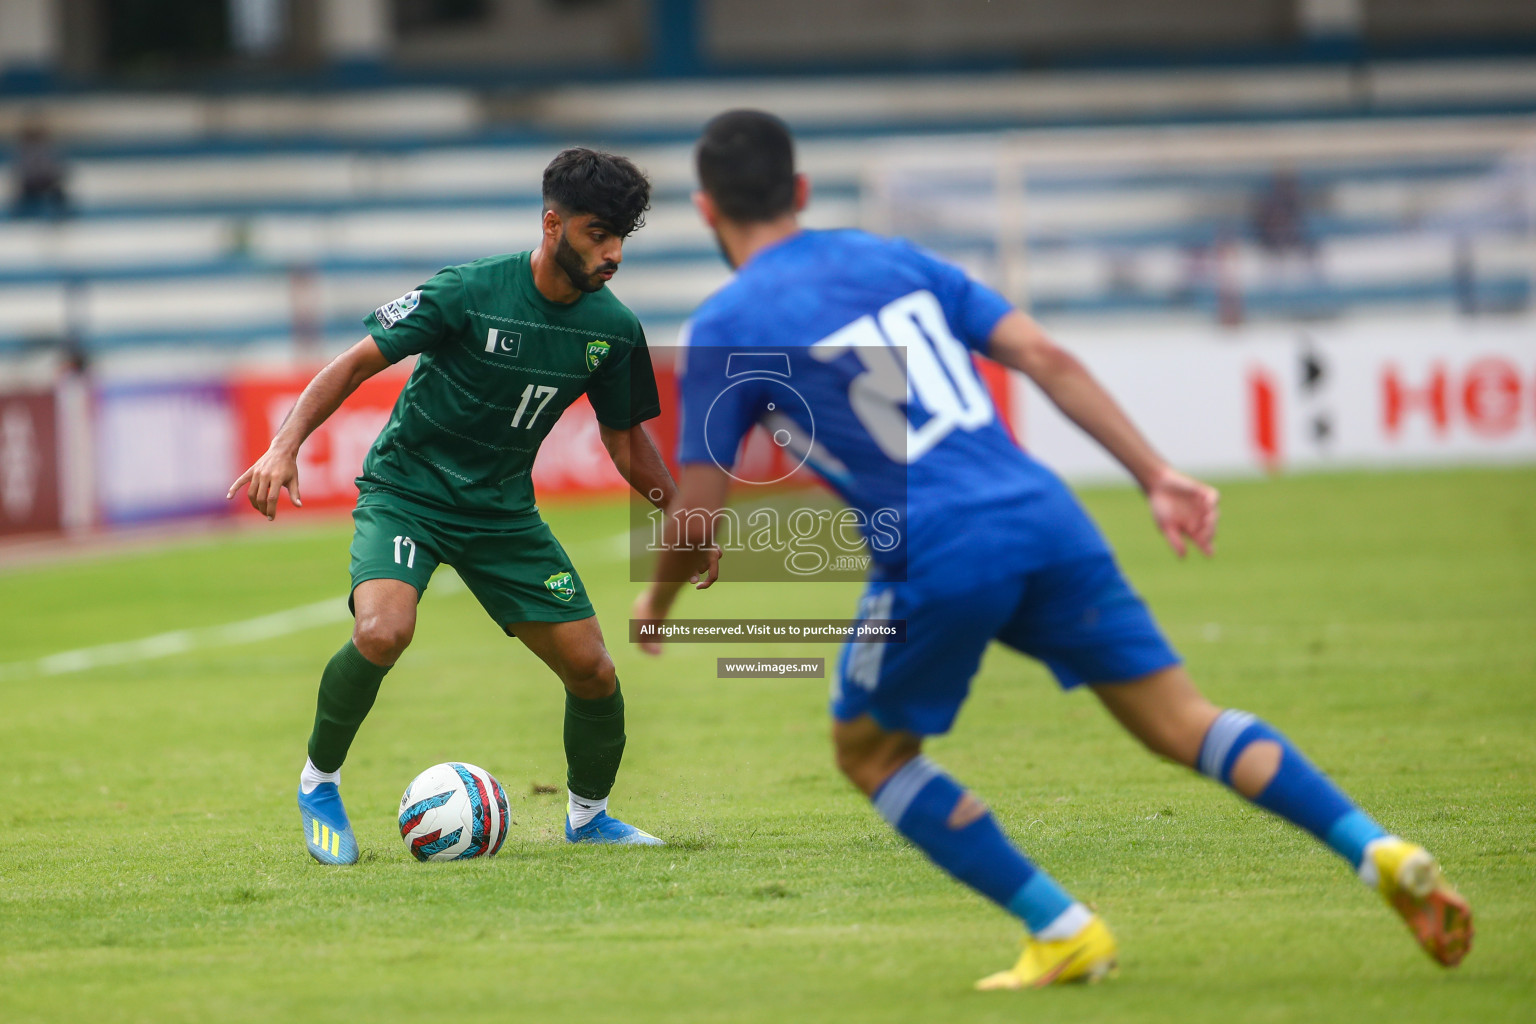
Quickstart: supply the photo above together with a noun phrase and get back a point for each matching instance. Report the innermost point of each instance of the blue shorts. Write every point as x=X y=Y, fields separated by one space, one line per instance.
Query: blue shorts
x=1081 y=618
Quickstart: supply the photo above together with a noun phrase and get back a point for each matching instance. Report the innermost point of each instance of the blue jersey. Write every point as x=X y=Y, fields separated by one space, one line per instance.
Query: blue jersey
x=855 y=351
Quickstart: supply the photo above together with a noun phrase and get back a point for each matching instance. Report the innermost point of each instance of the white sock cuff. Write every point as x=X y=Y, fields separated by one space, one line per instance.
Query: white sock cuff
x=1067 y=924
x=1367 y=869
x=1223 y=733
x=311 y=777
x=580 y=810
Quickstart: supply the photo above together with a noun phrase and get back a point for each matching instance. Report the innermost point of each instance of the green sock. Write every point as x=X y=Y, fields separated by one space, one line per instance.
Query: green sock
x=594 y=743
x=348 y=687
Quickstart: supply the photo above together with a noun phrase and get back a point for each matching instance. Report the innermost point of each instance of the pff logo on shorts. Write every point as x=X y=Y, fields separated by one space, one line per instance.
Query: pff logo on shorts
x=596 y=352
x=562 y=585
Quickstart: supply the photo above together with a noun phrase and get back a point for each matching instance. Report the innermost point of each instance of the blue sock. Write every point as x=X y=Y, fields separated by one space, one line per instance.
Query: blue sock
x=1298 y=793
x=959 y=834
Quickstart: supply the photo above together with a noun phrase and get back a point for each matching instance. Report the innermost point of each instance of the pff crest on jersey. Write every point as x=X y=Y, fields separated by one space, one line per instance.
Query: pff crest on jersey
x=597 y=351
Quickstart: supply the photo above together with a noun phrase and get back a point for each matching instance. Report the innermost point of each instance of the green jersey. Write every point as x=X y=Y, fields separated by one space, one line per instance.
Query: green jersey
x=499 y=364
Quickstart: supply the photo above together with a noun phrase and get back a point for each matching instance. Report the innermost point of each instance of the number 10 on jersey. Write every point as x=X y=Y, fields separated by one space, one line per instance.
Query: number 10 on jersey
x=936 y=375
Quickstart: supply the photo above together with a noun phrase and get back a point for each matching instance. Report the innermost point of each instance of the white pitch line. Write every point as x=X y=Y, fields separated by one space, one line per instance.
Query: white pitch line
x=179 y=641
x=263 y=627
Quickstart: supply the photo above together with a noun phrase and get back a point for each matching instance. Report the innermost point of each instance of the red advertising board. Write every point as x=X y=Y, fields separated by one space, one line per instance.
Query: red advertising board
x=29 y=463
x=572 y=459
x=333 y=456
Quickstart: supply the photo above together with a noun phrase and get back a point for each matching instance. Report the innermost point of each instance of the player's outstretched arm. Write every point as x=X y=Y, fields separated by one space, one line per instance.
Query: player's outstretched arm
x=635 y=456
x=1182 y=507
x=279 y=467
x=689 y=551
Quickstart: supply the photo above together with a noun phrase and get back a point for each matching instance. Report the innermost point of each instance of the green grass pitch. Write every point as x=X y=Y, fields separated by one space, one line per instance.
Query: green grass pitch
x=151 y=867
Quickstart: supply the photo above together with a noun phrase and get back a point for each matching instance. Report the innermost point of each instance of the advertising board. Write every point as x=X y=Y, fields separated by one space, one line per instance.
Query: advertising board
x=29 y=463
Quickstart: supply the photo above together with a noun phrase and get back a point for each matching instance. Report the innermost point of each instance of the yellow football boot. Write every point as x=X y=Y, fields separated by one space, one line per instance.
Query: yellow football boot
x=1088 y=956
x=1411 y=881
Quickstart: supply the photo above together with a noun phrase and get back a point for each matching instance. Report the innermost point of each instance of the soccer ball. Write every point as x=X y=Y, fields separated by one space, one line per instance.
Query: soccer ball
x=453 y=811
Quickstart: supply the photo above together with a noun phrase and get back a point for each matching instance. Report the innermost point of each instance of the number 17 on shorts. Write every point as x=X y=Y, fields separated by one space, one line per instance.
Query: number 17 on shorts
x=387 y=547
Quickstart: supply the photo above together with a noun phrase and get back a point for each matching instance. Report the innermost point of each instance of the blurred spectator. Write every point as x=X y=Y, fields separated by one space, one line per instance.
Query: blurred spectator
x=1292 y=268
x=1197 y=273
x=74 y=360
x=38 y=176
x=1229 y=283
x=1280 y=217
x=257 y=27
x=1124 y=274
x=1464 y=276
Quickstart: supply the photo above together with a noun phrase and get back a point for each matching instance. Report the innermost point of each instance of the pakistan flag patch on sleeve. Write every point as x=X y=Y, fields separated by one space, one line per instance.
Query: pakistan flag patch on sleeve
x=597 y=351
x=562 y=584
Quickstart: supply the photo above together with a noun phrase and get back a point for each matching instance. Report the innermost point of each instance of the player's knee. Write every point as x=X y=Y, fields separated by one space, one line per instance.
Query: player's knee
x=1165 y=711
x=382 y=638
x=590 y=676
x=1179 y=731
x=867 y=765
x=860 y=767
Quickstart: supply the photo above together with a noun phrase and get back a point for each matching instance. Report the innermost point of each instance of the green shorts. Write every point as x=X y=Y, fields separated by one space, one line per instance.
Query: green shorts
x=516 y=569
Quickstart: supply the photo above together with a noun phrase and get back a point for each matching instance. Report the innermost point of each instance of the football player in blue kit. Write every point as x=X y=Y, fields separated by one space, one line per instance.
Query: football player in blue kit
x=990 y=544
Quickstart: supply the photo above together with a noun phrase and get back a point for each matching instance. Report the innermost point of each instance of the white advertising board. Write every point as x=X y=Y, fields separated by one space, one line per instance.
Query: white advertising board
x=1377 y=395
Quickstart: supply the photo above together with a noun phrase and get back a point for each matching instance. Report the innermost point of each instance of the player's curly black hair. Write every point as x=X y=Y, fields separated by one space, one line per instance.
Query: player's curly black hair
x=610 y=187
x=746 y=162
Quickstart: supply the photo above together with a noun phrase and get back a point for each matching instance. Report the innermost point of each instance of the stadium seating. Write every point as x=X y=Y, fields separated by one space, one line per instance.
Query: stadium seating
x=293 y=220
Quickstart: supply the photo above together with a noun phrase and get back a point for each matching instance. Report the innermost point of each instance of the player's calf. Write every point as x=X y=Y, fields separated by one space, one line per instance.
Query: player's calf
x=1167 y=713
x=1256 y=760
x=348 y=687
x=594 y=724
x=954 y=828
x=1259 y=762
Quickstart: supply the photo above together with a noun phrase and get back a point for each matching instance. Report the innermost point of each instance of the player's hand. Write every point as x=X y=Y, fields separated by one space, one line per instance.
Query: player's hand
x=272 y=472
x=649 y=607
x=1183 y=507
x=655 y=601
x=709 y=570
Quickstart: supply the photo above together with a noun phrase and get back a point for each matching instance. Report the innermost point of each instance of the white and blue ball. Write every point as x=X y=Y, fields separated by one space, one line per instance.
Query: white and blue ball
x=453 y=811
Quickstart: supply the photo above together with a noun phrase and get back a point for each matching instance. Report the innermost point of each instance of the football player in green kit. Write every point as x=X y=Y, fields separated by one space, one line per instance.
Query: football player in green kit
x=506 y=344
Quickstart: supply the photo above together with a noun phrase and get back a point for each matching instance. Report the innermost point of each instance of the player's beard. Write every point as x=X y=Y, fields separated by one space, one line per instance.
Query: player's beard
x=570 y=261
x=725 y=253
